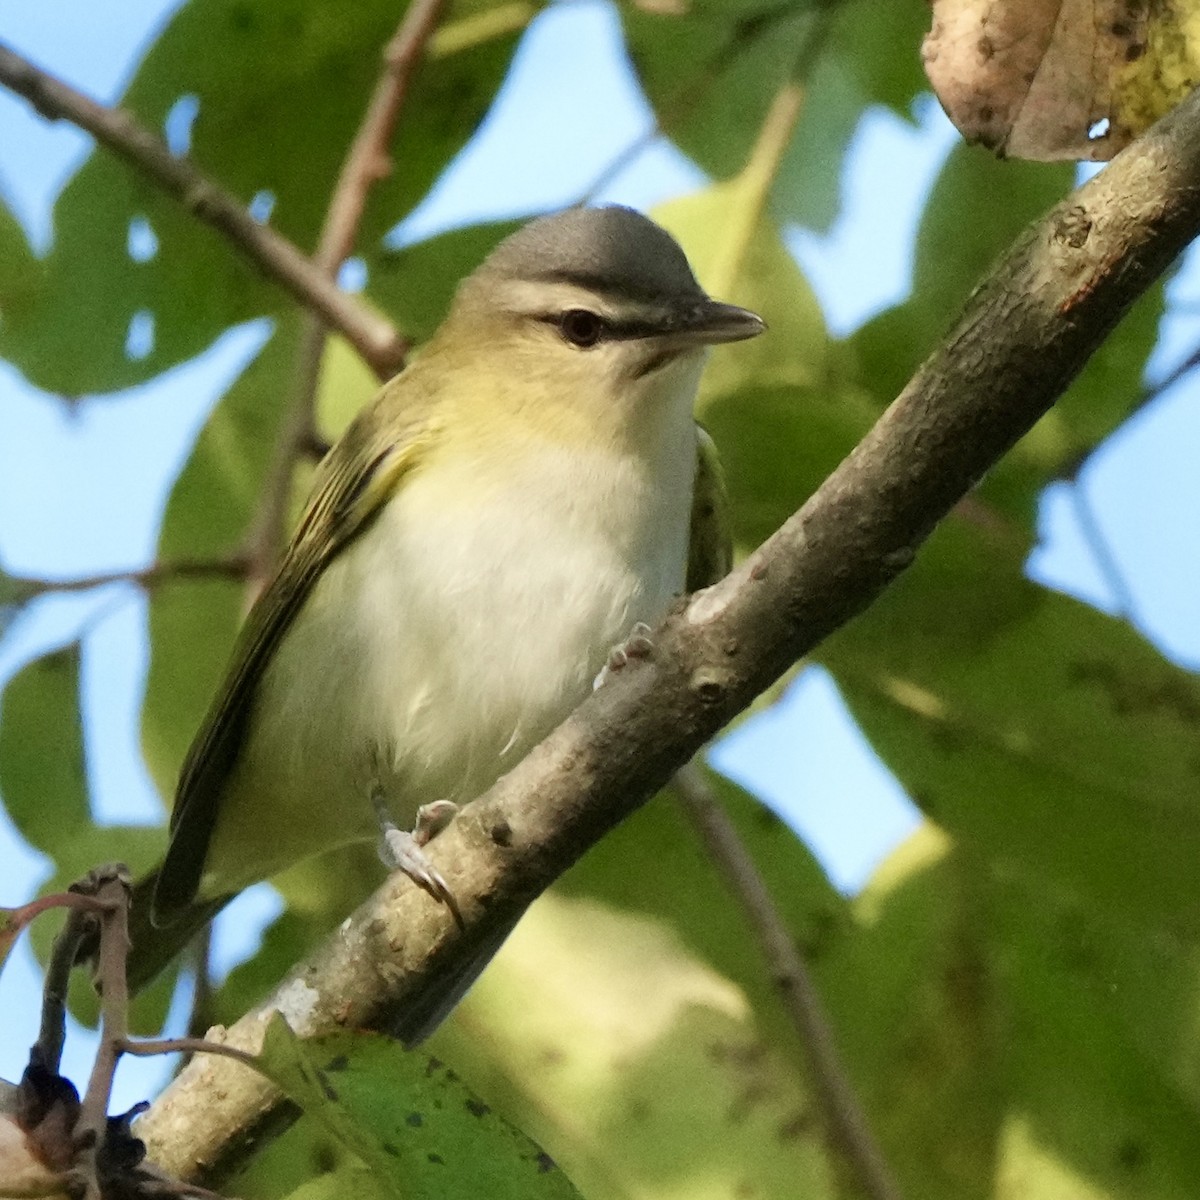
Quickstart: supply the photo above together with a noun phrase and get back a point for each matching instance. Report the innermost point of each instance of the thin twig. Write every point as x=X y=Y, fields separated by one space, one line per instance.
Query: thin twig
x=847 y=1124
x=1101 y=552
x=47 y=1050
x=371 y=334
x=148 y=1048
x=112 y=887
x=233 y=567
x=367 y=161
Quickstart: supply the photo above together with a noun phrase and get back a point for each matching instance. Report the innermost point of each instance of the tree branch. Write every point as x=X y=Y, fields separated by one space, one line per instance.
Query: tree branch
x=847 y=1125
x=366 y=162
x=1025 y=332
x=371 y=334
x=156 y=574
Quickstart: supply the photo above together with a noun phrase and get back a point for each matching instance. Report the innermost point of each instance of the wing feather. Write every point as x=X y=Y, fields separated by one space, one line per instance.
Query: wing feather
x=710 y=545
x=381 y=446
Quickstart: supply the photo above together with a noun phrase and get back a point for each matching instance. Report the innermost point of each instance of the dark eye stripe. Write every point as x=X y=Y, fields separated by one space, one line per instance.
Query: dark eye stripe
x=614 y=331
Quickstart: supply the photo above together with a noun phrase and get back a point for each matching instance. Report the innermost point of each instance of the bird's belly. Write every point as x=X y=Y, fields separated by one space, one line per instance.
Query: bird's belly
x=432 y=654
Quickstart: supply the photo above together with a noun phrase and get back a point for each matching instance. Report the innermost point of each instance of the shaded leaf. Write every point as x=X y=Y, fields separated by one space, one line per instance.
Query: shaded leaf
x=351 y=1179
x=412 y=1122
x=415 y=284
x=295 y=67
x=779 y=407
x=193 y=621
x=19 y=270
x=952 y=256
x=43 y=775
x=711 y=71
x=1051 y=738
x=631 y=1026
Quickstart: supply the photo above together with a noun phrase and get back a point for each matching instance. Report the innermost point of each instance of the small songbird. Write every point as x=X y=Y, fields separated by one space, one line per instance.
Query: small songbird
x=531 y=488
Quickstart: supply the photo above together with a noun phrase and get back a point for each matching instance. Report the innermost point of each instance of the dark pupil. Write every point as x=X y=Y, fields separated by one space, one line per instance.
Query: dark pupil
x=581 y=327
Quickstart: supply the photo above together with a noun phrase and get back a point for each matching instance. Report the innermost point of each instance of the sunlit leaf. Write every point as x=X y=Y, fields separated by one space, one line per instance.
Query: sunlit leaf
x=631 y=1026
x=410 y=1120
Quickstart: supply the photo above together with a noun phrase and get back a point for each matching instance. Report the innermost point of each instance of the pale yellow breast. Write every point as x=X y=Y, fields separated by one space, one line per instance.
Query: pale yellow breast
x=452 y=635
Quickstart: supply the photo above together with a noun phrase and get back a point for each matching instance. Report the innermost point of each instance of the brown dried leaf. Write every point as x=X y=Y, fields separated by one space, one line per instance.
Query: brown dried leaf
x=1060 y=79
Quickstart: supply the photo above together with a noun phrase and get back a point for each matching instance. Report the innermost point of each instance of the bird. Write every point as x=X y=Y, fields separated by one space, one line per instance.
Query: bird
x=530 y=489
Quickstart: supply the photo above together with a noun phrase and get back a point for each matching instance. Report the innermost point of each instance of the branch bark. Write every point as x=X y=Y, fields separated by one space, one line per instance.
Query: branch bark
x=371 y=334
x=1025 y=332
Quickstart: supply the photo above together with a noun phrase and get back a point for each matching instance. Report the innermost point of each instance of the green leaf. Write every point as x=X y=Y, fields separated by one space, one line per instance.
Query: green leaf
x=953 y=254
x=739 y=256
x=415 y=284
x=419 y=1130
x=302 y=70
x=350 y=1179
x=631 y=1025
x=193 y=622
x=869 y=54
x=19 y=269
x=880 y=44
x=43 y=774
x=952 y=257
x=779 y=407
x=1054 y=740
x=1012 y=1066
x=712 y=69
x=345 y=386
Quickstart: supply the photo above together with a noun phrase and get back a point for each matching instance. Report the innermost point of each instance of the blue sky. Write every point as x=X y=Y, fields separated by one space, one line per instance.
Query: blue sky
x=82 y=490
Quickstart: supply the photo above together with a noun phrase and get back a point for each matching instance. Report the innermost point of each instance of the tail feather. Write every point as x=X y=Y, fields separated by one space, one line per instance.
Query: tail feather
x=154 y=947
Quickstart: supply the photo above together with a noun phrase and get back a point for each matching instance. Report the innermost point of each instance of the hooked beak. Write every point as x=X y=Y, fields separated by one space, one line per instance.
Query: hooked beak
x=710 y=322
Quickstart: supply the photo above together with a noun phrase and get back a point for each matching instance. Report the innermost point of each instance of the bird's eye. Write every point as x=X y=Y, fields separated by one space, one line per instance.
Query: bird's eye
x=581 y=327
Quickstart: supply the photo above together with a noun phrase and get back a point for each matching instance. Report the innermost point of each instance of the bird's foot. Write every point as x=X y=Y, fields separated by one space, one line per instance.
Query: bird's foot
x=636 y=646
x=403 y=851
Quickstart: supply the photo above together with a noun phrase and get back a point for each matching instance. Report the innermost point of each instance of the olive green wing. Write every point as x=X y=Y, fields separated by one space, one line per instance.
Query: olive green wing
x=710 y=547
x=381 y=446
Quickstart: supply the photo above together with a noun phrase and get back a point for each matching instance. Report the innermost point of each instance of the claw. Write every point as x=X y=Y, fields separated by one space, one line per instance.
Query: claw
x=636 y=646
x=402 y=851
